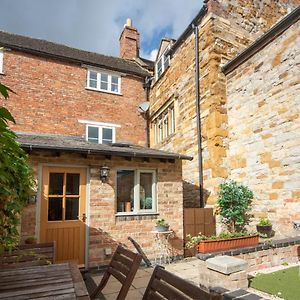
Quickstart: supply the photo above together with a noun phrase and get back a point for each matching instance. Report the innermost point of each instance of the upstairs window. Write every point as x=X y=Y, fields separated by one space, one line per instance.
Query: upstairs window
x=101 y=81
x=162 y=63
x=1 y=61
x=164 y=124
x=100 y=133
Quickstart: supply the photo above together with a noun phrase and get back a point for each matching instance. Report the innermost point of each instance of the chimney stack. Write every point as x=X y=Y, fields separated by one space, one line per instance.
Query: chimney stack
x=129 y=41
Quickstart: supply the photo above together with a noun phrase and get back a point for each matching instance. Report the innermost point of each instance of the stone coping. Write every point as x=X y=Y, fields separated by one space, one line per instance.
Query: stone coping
x=237 y=294
x=261 y=246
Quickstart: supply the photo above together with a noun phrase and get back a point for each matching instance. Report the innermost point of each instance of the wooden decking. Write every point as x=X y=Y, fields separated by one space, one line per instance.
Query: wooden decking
x=58 y=281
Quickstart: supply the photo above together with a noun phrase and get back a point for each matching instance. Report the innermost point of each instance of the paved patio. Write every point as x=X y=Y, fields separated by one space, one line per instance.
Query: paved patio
x=187 y=269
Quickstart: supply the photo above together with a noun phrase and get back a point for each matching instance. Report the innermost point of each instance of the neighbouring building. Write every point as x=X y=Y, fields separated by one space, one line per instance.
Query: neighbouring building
x=97 y=181
x=263 y=109
x=228 y=126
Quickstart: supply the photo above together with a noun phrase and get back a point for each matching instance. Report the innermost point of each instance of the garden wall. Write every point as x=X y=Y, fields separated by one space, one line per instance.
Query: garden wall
x=264 y=255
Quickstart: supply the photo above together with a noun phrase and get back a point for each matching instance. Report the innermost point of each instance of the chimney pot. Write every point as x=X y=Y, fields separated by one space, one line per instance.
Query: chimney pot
x=128 y=22
x=129 y=41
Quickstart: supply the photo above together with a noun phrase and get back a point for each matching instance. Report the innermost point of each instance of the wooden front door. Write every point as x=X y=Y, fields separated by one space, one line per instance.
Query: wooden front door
x=63 y=212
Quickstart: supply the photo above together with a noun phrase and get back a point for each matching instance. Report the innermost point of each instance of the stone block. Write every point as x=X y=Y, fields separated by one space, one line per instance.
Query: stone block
x=226 y=264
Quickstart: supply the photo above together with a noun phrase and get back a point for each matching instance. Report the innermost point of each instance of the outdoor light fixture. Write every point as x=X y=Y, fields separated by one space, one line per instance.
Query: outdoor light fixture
x=104 y=173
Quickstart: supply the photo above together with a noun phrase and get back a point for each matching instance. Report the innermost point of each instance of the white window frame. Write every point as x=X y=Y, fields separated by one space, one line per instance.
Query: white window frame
x=164 y=59
x=136 y=192
x=1 y=61
x=100 y=132
x=109 y=84
x=100 y=125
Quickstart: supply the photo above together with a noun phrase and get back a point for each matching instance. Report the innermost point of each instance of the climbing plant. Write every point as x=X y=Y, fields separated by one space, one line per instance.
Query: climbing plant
x=16 y=179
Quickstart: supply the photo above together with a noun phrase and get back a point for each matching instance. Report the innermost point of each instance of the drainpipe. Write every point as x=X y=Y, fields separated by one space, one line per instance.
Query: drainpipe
x=198 y=114
x=147 y=85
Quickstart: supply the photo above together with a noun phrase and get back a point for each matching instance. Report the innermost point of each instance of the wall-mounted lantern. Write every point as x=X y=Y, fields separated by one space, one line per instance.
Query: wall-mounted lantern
x=104 y=173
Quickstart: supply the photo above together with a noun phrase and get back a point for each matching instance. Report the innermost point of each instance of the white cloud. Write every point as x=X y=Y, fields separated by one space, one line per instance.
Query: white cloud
x=95 y=25
x=152 y=55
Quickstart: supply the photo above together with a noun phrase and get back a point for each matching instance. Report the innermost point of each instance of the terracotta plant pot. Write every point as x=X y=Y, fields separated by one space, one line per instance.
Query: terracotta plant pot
x=264 y=230
x=225 y=244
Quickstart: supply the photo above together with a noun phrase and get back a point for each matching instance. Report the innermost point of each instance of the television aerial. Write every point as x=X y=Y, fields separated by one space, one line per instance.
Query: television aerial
x=143 y=107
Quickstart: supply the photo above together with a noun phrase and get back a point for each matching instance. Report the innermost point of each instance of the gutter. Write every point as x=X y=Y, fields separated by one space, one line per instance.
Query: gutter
x=31 y=147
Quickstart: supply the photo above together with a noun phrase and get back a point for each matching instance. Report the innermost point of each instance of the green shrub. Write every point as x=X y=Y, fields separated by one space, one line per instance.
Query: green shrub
x=16 y=180
x=234 y=201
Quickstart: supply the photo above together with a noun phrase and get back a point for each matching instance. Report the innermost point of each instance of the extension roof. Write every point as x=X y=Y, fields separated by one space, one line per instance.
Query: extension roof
x=58 y=51
x=57 y=143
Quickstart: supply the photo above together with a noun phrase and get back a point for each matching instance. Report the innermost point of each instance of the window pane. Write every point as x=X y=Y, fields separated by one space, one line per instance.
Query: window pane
x=166 y=61
x=93 y=84
x=72 y=208
x=93 y=79
x=146 y=197
x=72 y=184
x=56 y=182
x=55 y=209
x=107 y=134
x=93 y=134
x=93 y=75
x=125 y=190
x=115 y=88
x=114 y=79
x=104 y=85
x=104 y=77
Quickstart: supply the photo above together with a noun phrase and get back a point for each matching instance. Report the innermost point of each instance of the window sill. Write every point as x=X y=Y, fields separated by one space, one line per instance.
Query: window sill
x=136 y=216
x=103 y=91
x=124 y=214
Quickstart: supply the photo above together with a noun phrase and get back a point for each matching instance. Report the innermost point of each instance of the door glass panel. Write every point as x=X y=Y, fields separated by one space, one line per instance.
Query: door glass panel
x=56 y=183
x=72 y=184
x=55 y=209
x=146 y=191
x=72 y=208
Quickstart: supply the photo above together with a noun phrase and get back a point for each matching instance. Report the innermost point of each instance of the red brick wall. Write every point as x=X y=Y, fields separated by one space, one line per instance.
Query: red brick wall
x=51 y=97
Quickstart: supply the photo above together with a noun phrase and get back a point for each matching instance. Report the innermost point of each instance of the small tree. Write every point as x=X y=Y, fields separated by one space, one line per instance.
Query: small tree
x=234 y=202
x=16 y=179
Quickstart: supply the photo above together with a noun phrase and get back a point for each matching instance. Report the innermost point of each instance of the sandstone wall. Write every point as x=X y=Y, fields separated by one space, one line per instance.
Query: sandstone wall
x=263 y=108
x=222 y=35
x=106 y=229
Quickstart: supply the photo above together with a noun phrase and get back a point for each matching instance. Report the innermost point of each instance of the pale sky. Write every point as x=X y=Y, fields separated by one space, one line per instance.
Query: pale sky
x=95 y=25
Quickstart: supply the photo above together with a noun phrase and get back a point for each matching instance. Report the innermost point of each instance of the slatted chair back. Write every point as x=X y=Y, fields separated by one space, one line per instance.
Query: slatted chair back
x=123 y=266
x=165 y=285
x=28 y=255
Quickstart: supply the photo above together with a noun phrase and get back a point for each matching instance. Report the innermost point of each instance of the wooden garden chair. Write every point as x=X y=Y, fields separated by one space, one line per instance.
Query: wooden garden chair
x=123 y=266
x=165 y=285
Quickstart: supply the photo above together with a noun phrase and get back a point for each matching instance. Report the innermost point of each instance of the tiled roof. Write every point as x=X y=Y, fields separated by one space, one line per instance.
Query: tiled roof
x=74 y=144
x=58 y=51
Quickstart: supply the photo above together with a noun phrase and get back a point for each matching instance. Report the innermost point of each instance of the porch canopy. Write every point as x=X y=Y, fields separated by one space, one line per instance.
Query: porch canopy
x=74 y=144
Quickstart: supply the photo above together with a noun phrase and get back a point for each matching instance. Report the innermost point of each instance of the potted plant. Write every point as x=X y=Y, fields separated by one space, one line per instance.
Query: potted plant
x=234 y=201
x=264 y=227
x=162 y=225
x=30 y=240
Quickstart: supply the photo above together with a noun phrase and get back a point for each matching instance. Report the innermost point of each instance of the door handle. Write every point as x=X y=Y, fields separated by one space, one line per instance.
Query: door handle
x=83 y=217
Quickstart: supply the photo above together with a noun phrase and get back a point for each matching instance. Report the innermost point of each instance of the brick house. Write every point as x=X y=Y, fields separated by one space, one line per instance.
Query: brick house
x=77 y=117
x=195 y=110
